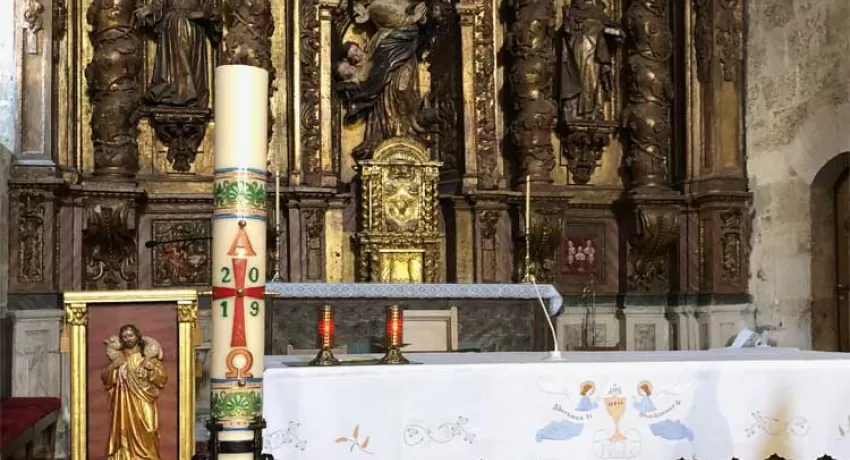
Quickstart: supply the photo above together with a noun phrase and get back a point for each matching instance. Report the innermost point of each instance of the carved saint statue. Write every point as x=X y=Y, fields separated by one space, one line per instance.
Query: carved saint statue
x=133 y=377
x=588 y=49
x=180 y=67
x=380 y=84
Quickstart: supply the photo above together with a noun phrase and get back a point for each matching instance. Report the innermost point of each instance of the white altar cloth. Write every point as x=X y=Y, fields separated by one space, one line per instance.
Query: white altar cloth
x=708 y=405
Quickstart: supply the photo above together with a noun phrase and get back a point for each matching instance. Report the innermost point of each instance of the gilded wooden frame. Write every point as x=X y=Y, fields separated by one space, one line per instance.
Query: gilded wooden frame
x=76 y=318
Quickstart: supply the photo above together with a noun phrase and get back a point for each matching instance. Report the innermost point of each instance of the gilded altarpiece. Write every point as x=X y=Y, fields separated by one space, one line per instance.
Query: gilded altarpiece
x=623 y=117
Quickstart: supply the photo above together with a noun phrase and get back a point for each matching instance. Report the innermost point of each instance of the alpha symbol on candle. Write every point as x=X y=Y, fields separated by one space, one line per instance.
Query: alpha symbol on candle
x=241 y=246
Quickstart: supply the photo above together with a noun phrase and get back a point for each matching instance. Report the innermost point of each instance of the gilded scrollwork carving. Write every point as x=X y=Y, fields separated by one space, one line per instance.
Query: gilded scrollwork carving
x=649 y=265
x=187 y=312
x=249 y=26
x=182 y=131
x=543 y=241
x=488 y=221
x=113 y=87
x=647 y=115
x=311 y=136
x=731 y=242
x=314 y=227
x=314 y=222
x=484 y=65
x=109 y=245
x=32 y=213
x=531 y=76
x=703 y=259
x=248 y=41
x=730 y=25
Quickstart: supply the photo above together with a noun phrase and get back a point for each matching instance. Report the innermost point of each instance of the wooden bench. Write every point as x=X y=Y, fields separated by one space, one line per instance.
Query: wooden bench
x=24 y=422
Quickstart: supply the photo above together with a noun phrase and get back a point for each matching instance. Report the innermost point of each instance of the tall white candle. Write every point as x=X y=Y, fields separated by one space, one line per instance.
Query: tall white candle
x=527 y=204
x=239 y=251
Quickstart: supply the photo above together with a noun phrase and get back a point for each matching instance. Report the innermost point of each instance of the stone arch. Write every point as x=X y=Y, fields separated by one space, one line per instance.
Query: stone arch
x=825 y=334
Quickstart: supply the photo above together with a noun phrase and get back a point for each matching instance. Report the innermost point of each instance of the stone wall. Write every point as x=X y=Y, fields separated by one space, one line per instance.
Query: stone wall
x=798 y=119
x=5 y=336
x=7 y=142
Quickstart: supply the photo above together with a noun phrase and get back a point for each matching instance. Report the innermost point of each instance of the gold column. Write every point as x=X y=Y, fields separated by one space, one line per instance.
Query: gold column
x=716 y=167
x=334 y=245
x=480 y=91
x=326 y=8
x=76 y=317
x=467 y=9
x=464 y=244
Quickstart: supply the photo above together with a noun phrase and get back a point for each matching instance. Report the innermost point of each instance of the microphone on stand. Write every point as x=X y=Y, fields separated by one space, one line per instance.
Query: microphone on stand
x=154 y=243
x=555 y=354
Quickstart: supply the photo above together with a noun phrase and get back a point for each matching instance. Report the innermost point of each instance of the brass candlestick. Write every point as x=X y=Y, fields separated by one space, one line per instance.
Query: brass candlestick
x=395 y=332
x=276 y=276
x=527 y=276
x=327 y=330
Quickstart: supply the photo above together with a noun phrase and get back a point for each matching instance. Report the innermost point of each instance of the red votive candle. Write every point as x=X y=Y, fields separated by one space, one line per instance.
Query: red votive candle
x=395 y=325
x=326 y=327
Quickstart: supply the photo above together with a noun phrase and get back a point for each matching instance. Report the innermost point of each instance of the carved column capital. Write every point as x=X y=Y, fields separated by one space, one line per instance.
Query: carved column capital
x=76 y=314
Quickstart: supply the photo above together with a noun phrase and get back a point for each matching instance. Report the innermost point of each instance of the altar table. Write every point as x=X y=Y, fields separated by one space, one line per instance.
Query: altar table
x=418 y=291
x=710 y=405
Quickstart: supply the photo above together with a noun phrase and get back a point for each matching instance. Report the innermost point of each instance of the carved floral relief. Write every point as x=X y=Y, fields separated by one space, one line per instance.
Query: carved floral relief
x=32 y=210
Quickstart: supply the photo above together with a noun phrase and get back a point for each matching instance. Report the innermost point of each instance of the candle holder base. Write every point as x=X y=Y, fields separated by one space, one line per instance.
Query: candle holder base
x=325 y=357
x=394 y=356
x=216 y=447
x=528 y=278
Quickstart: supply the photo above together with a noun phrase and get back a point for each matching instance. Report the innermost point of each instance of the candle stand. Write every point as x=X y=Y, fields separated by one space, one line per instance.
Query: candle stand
x=216 y=446
x=395 y=332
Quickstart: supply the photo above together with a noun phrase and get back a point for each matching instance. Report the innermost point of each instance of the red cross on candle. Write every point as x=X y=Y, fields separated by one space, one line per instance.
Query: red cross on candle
x=240 y=267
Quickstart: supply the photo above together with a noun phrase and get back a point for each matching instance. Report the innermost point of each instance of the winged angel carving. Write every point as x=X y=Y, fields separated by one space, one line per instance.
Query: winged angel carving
x=378 y=80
